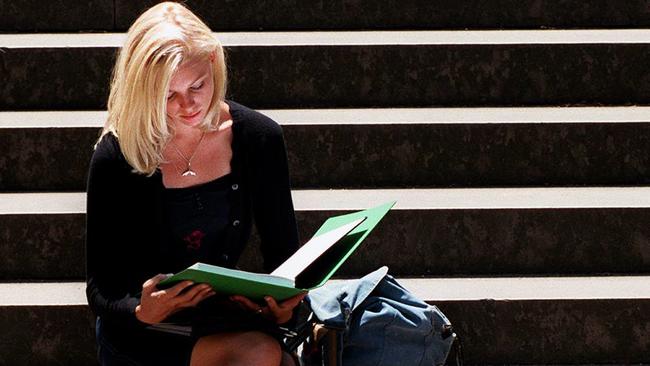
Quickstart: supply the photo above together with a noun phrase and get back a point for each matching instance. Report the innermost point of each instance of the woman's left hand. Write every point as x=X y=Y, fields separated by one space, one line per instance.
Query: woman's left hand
x=280 y=313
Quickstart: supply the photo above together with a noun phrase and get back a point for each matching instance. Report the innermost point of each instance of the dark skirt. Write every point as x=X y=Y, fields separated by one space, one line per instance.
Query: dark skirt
x=141 y=347
x=118 y=344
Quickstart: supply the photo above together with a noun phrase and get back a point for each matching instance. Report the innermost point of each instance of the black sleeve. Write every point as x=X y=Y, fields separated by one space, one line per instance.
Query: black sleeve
x=107 y=289
x=272 y=204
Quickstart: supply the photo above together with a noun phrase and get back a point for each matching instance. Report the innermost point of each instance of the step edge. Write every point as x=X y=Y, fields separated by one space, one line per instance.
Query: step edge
x=407 y=199
x=370 y=116
x=437 y=289
x=351 y=38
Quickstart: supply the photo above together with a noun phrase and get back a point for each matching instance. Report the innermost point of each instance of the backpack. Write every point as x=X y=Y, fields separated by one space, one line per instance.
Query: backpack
x=381 y=323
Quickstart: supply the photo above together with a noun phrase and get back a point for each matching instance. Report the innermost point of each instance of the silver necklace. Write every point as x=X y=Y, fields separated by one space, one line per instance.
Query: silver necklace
x=188 y=170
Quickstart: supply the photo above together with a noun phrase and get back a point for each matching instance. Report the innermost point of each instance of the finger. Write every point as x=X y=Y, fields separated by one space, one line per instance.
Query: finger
x=200 y=296
x=280 y=313
x=157 y=278
x=188 y=295
x=179 y=287
x=272 y=304
x=239 y=303
x=149 y=285
x=209 y=293
x=293 y=301
x=172 y=292
x=186 y=300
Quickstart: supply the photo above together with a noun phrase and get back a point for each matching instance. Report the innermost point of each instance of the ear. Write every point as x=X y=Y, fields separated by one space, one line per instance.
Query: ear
x=212 y=56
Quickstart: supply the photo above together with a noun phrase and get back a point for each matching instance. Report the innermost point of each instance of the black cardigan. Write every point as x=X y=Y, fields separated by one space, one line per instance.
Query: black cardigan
x=124 y=232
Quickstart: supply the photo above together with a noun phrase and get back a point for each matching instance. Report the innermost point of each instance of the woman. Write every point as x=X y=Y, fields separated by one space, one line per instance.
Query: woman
x=177 y=177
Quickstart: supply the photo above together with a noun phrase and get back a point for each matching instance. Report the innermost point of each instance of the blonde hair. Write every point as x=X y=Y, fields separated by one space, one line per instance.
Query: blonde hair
x=158 y=42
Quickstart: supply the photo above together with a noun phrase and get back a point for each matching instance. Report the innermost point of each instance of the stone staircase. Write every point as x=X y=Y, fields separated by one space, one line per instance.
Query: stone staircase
x=515 y=136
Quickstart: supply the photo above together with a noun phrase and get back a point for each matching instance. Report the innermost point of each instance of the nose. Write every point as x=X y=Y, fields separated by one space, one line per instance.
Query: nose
x=185 y=101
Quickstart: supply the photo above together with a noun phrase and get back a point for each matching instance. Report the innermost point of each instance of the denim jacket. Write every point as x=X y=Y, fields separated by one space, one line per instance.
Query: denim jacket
x=381 y=323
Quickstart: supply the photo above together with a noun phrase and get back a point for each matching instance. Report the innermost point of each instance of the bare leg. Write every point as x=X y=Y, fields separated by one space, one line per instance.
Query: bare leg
x=241 y=348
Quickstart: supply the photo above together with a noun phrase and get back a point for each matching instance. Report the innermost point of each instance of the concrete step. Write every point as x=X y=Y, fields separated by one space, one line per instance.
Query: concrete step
x=545 y=321
x=30 y=16
x=359 y=69
x=380 y=148
x=444 y=232
x=412 y=14
x=38 y=16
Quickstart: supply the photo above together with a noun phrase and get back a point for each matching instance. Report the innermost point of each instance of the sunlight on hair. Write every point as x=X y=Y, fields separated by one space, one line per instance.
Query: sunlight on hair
x=157 y=44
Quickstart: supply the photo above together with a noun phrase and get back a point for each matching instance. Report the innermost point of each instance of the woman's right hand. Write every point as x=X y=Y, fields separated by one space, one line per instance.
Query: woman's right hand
x=156 y=305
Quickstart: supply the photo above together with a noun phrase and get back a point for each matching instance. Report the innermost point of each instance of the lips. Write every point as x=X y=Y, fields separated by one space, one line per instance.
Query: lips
x=190 y=116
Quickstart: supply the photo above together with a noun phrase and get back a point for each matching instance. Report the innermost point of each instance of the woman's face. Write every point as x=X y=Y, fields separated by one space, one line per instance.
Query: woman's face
x=190 y=92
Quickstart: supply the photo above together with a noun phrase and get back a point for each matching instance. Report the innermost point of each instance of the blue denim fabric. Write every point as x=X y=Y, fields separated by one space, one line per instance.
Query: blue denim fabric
x=381 y=322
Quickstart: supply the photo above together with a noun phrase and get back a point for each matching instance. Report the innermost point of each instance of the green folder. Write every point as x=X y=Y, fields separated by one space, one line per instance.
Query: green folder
x=332 y=245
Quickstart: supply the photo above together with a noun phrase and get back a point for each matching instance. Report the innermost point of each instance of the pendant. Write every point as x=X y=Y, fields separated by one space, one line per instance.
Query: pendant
x=189 y=173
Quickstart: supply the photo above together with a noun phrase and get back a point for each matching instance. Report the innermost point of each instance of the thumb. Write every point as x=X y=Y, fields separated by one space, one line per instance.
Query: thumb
x=292 y=302
x=150 y=285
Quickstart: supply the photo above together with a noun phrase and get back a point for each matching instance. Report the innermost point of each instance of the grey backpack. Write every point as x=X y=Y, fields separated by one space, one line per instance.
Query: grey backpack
x=379 y=322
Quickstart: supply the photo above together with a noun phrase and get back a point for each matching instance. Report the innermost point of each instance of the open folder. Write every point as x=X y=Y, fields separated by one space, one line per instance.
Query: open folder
x=310 y=267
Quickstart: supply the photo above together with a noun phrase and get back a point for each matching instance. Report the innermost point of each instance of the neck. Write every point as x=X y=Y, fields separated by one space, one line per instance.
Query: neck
x=186 y=135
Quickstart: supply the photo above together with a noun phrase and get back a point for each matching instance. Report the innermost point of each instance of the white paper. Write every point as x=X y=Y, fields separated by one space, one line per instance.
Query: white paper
x=312 y=250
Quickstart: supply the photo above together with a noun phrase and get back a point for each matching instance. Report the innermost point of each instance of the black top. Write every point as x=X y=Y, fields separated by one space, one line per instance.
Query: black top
x=197 y=219
x=126 y=237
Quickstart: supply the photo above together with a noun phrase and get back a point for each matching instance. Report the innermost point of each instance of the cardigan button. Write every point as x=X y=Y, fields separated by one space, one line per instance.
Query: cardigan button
x=235 y=223
x=235 y=187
